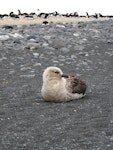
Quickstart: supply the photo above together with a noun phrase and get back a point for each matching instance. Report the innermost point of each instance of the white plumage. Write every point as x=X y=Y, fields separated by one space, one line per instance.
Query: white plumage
x=58 y=87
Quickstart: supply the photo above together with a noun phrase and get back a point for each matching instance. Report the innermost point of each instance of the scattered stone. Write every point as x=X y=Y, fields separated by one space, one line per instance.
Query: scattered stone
x=17 y=41
x=37 y=64
x=76 y=34
x=32 y=46
x=58 y=43
x=48 y=37
x=7 y=27
x=60 y=26
x=4 y=37
x=84 y=53
x=110 y=41
x=36 y=55
x=65 y=50
x=29 y=37
x=45 y=44
x=82 y=24
x=16 y=35
x=3 y=58
x=27 y=76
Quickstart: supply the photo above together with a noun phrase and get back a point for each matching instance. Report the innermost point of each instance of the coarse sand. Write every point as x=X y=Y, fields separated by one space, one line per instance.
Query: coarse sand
x=25 y=21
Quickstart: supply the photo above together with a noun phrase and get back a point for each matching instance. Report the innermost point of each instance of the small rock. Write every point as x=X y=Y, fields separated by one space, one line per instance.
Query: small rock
x=45 y=44
x=65 y=50
x=31 y=37
x=31 y=46
x=110 y=41
x=37 y=64
x=7 y=27
x=4 y=37
x=36 y=55
x=27 y=76
x=79 y=47
x=58 y=43
x=3 y=58
x=84 y=54
x=47 y=37
x=16 y=35
x=60 y=26
x=32 y=40
x=81 y=24
x=75 y=34
x=25 y=68
x=17 y=41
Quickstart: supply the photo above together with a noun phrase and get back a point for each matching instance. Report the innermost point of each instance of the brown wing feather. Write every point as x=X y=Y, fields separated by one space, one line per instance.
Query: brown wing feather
x=75 y=85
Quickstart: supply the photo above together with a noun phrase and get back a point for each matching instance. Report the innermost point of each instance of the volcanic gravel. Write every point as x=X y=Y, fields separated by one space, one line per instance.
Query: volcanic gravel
x=27 y=122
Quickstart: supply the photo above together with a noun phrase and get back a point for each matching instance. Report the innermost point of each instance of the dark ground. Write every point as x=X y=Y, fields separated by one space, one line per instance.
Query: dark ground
x=29 y=123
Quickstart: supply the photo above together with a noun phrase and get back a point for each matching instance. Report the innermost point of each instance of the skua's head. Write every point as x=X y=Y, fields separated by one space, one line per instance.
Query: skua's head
x=52 y=73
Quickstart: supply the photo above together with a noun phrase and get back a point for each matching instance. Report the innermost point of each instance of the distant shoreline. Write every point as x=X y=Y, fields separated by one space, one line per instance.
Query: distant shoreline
x=27 y=21
x=33 y=18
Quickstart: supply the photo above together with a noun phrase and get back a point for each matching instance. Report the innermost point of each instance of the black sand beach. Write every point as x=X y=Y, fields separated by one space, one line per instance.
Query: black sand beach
x=27 y=122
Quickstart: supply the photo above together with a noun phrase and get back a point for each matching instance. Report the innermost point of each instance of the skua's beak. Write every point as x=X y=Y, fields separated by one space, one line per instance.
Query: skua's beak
x=64 y=76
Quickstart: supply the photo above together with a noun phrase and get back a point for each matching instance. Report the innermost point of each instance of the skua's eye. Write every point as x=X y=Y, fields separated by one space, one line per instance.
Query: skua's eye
x=57 y=72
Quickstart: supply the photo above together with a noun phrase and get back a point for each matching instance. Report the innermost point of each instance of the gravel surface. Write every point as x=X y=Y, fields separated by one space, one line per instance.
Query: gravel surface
x=27 y=122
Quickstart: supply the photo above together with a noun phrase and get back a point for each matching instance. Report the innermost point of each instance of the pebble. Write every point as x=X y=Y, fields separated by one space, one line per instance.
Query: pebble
x=75 y=34
x=65 y=50
x=4 y=37
x=35 y=55
x=27 y=76
x=3 y=58
x=16 y=35
x=58 y=42
x=60 y=26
